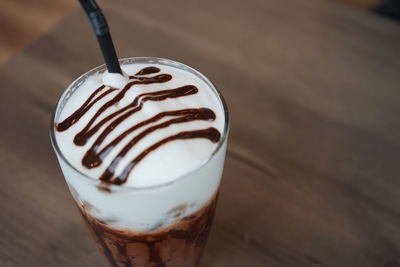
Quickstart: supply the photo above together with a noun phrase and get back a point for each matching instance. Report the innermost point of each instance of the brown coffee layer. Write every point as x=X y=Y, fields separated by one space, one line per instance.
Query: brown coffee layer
x=178 y=245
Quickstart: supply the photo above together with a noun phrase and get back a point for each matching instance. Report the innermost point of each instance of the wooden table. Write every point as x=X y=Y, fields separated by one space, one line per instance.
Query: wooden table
x=313 y=165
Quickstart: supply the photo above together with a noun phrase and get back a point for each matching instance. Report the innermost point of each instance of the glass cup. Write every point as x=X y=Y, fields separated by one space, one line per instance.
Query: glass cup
x=181 y=211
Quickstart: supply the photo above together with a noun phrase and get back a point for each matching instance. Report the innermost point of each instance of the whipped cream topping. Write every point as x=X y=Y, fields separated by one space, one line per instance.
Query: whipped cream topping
x=166 y=123
x=115 y=80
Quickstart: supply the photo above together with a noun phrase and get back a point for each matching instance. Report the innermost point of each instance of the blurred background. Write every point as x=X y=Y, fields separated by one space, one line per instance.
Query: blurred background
x=23 y=21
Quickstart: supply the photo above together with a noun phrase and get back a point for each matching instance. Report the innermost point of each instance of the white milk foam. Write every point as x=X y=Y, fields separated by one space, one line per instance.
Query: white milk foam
x=137 y=207
x=166 y=163
x=115 y=80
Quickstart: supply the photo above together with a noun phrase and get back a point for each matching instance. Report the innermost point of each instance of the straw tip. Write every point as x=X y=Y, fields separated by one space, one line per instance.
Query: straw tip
x=102 y=32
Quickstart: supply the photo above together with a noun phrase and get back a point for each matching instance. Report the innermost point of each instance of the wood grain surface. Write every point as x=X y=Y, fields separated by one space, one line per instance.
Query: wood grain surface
x=312 y=170
x=22 y=21
x=368 y=4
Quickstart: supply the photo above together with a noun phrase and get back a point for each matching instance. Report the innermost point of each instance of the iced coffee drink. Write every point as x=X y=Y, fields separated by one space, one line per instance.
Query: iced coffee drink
x=143 y=154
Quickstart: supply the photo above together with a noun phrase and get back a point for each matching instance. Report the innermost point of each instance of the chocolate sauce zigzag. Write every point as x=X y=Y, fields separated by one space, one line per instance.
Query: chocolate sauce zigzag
x=211 y=134
x=78 y=114
x=83 y=136
x=93 y=157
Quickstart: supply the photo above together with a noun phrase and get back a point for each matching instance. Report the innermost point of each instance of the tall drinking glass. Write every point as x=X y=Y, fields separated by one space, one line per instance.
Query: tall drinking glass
x=163 y=225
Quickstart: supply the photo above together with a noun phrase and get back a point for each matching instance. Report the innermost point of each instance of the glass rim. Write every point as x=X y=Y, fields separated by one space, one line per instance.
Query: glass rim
x=167 y=62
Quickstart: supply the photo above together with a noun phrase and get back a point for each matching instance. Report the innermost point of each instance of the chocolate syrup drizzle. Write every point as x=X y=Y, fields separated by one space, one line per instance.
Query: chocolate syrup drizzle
x=93 y=157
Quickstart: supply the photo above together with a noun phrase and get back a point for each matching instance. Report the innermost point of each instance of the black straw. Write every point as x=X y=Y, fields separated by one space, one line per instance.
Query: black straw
x=102 y=32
